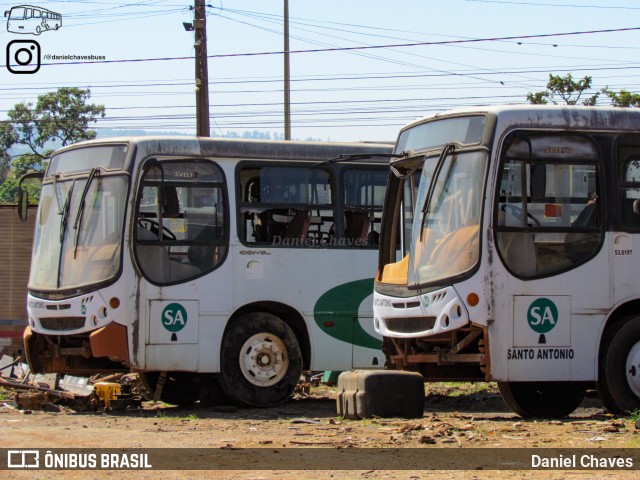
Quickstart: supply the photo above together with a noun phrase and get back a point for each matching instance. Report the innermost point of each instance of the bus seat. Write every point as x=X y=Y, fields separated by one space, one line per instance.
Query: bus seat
x=396 y=273
x=519 y=252
x=458 y=250
x=155 y=262
x=298 y=227
x=357 y=225
x=201 y=219
x=265 y=228
x=588 y=217
x=152 y=258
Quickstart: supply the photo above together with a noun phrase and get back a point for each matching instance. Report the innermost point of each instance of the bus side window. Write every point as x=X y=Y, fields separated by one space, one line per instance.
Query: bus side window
x=548 y=213
x=629 y=181
x=363 y=190
x=180 y=231
x=286 y=206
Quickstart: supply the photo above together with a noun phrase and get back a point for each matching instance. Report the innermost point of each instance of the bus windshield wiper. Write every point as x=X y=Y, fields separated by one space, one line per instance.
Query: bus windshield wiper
x=352 y=157
x=446 y=150
x=64 y=211
x=78 y=222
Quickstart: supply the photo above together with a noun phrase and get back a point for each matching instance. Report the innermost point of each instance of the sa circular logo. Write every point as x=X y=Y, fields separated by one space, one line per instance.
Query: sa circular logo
x=542 y=315
x=174 y=317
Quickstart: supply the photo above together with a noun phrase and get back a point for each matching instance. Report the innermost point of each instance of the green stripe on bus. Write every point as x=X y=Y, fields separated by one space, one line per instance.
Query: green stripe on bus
x=336 y=313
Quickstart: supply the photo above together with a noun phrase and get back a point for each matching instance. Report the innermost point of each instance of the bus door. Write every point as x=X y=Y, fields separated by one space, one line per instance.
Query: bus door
x=179 y=237
x=553 y=288
x=624 y=269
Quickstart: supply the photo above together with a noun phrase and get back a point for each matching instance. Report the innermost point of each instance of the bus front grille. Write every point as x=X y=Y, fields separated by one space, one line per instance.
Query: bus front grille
x=410 y=324
x=62 y=323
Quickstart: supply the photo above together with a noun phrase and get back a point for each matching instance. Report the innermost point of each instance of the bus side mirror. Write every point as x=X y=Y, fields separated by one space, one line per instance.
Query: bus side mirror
x=6 y=13
x=23 y=196
x=23 y=204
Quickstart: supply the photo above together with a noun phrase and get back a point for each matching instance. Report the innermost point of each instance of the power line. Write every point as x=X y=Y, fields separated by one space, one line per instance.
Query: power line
x=571 y=5
x=356 y=48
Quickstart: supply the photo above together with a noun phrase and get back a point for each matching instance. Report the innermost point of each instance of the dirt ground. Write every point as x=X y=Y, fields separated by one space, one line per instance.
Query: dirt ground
x=457 y=417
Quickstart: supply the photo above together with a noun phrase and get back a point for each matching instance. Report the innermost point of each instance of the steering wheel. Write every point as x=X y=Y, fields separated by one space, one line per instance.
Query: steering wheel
x=517 y=211
x=154 y=227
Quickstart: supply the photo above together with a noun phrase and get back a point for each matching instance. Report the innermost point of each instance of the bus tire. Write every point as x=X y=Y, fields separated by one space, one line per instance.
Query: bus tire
x=542 y=399
x=181 y=389
x=619 y=369
x=260 y=360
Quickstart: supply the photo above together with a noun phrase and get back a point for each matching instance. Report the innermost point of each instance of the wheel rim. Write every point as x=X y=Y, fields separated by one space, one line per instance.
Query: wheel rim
x=632 y=369
x=264 y=360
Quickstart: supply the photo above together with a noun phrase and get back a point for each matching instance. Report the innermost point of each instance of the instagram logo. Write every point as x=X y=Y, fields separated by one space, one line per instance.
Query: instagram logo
x=23 y=56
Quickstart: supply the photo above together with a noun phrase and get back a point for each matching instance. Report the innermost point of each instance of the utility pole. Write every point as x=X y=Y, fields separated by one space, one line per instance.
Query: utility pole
x=202 y=74
x=287 y=76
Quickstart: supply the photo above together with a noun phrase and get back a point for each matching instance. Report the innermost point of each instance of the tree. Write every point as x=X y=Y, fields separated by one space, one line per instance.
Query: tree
x=623 y=98
x=565 y=88
x=62 y=116
x=58 y=118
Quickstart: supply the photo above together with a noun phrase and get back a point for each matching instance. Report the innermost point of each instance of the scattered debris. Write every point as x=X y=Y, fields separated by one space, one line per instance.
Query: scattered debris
x=307 y=421
x=48 y=391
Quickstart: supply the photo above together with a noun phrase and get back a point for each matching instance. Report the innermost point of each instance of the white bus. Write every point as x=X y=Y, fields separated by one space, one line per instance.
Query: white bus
x=195 y=260
x=34 y=20
x=518 y=227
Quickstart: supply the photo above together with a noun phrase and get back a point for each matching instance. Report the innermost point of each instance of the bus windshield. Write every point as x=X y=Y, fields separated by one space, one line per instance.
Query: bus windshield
x=445 y=232
x=78 y=234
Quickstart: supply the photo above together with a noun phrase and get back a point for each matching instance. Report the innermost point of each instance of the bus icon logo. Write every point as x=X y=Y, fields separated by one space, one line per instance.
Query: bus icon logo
x=23 y=459
x=27 y=19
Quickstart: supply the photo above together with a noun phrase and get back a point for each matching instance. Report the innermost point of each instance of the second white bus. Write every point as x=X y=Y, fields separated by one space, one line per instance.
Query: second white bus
x=519 y=226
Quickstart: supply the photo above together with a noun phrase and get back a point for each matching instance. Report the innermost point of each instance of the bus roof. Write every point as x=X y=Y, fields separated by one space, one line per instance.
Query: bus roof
x=240 y=148
x=34 y=7
x=553 y=116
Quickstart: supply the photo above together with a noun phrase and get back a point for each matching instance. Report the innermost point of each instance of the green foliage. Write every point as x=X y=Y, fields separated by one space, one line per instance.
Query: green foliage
x=61 y=117
x=538 y=98
x=5 y=165
x=623 y=98
x=9 y=191
x=567 y=89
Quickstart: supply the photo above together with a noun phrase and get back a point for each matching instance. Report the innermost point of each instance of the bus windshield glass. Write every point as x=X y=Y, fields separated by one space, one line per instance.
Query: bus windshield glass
x=462 y=130
x=78 y=236
x=109 y=157
x=446 y=228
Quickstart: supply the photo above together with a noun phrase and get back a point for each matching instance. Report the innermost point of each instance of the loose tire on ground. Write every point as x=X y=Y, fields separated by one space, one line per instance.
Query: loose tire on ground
x=619 y=368
x=542 y=399
x=260 y=360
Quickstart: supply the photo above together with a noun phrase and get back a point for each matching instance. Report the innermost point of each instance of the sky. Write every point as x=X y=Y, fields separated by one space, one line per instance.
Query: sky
x=360 y=69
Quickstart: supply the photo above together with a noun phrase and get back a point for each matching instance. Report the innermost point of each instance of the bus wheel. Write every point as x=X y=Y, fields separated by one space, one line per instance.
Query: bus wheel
x=260 y=361
x=619 y=372
x=179 y=388
x=212 y=394
x=542 y=399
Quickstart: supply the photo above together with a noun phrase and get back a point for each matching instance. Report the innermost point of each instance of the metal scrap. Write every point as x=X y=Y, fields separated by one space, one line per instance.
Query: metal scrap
x=38 y=391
